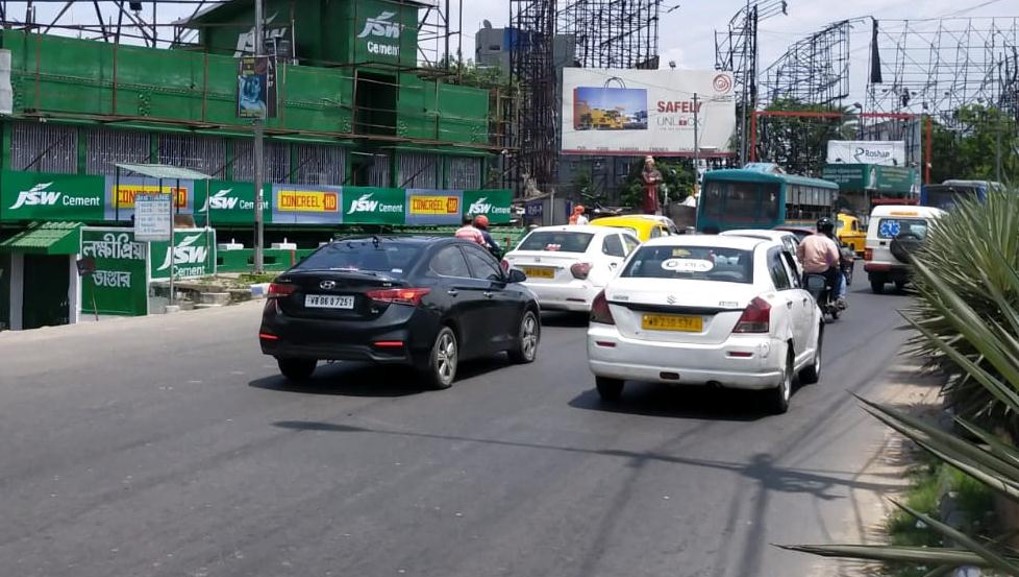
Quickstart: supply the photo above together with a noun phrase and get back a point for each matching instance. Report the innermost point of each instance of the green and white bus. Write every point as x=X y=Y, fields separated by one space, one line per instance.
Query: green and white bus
x=761 y=195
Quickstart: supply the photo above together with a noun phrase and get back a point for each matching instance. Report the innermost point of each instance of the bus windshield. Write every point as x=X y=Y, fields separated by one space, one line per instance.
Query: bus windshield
x=945 y=197
x=741 y=203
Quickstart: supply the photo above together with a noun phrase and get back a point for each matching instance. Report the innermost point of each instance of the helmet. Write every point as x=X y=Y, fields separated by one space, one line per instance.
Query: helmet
x=481 y=221
x=825 y=225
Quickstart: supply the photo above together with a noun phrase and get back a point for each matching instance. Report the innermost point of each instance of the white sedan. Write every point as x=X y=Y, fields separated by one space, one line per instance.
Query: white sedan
x=706 y=310
x=789 y=240
x=566 y=266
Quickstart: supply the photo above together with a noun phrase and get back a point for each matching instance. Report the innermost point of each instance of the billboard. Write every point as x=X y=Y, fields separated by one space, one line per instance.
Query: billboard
x=120 y=195
x=26 y=196
x=434 y=207
x=300 y=204
x=256 y=87
x=881 y=152
x=636 y=112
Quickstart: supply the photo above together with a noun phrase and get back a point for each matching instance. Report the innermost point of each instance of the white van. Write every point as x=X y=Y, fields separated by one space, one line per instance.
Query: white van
x=894 y=233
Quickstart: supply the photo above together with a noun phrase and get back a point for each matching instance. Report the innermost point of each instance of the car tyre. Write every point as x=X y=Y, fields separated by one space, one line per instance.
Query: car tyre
x=297 y=369
x=812 y=374
x=609 y=389
x=878 y=286
x=528 y=337
x=443 y=360
x=778 y=398
x=900 y=285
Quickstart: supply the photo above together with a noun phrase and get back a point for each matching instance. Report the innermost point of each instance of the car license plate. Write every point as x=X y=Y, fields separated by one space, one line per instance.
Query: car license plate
x=680 y=323
x=328 y=302
x=539 y=272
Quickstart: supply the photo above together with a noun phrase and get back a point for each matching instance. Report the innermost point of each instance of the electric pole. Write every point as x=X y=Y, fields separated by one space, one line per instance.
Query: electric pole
x=696 y=145
x=258 y=151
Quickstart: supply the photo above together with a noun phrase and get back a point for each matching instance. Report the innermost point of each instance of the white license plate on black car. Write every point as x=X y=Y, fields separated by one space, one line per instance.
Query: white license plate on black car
x=328 y=302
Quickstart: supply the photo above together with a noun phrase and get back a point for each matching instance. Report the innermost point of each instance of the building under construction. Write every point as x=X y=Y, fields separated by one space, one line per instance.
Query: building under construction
x=357 y=93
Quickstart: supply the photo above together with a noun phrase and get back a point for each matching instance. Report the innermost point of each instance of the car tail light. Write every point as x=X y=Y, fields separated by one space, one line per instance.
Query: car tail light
x=505 y=265
x=868 y=254
x=600 y=312
x=398 y=296
x=581 y=270
x=756 y=318
x=280 y=290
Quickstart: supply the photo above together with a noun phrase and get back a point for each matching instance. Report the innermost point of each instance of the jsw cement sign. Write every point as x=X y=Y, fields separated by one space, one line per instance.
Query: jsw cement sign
x=384 y=33
x=27 y=196
x=192 y=255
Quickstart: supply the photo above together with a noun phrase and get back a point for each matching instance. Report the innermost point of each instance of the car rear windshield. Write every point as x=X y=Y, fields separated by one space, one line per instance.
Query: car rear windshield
x=692 y=262
x=557 y=241
x=893 y=227
x=393 y=258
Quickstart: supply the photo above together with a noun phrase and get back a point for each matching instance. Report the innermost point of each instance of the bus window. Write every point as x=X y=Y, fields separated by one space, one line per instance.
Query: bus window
x=769 y=203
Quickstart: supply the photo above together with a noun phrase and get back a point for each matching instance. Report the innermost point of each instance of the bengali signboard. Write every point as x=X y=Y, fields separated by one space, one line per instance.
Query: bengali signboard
x=117 y=283
x=121 y=194
x=193 y=255
x=28 y=196
x=299 y=204
x=434 y=207
x=637 y=112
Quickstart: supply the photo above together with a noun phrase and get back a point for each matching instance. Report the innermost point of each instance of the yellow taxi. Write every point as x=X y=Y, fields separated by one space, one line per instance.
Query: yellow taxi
x=644 y=226
x=851 y=233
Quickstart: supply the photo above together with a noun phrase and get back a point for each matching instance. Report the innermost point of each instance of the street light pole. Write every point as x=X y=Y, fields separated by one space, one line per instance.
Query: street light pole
x=696 y=146
x=258 y=152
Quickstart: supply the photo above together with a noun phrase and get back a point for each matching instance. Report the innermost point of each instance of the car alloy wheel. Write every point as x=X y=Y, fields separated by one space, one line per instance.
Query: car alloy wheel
x=529 y=335
x=812 y=374
x=444 y=359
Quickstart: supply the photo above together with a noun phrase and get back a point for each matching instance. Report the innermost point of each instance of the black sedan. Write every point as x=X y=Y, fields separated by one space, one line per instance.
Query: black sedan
x=428 y=303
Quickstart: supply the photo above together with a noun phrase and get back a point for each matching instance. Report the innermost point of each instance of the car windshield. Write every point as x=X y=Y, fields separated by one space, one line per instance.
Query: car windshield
x=709 y=263
x=557 y=241
x=628 y=229
x=892 y=227
x=389 y=258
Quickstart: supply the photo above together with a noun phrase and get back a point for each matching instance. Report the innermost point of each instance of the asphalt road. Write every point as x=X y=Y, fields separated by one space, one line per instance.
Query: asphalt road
x=168 y=446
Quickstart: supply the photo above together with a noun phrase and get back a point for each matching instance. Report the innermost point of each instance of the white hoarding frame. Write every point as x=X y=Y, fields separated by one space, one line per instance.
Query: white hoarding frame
x=626 y=112
x=881 y=152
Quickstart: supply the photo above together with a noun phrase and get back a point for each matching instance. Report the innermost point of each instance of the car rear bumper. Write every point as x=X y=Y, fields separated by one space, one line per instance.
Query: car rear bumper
x=575 y=296
x=741 y=362
x=406 y=340
x=886 y=271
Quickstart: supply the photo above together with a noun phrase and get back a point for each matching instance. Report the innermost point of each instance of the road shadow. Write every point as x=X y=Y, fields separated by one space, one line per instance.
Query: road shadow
x=564 y=320
x=691 y=402
x=367 y=380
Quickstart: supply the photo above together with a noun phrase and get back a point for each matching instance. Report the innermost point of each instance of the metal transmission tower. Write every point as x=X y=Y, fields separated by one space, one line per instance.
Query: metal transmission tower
x=814 y=70
x=939 y=66
x=736 y=51
x=549 y=35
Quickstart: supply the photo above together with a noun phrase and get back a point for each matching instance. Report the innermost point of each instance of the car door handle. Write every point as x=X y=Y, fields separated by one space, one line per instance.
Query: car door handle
x=489 y=294
x=806 y=300
x=452 y=292
x=789 y=304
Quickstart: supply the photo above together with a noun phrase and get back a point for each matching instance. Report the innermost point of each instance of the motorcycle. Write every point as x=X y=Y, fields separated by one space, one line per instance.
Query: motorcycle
x=824 y=295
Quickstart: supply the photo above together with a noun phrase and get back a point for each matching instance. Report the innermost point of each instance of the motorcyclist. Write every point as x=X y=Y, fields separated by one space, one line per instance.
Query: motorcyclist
x=481 y=223
x=819 y=254
x=844 y=263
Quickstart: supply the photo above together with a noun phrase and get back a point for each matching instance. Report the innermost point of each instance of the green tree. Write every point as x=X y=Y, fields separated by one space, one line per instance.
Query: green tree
x=799 y=143
x=677 y=178
x=970 y=144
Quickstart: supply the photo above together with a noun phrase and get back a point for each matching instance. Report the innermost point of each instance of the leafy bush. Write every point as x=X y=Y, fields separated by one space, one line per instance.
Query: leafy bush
x=968 y=319
x=975 y=250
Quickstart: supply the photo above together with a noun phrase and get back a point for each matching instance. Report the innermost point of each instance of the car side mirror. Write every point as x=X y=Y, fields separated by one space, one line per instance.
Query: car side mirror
x=516 y=275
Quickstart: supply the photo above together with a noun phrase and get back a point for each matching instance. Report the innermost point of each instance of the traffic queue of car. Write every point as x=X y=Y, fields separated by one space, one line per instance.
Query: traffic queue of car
x=713 y=310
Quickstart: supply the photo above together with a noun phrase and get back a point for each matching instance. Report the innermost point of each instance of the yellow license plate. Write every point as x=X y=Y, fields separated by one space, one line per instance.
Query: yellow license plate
x=681 y=323
x=539 y=272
